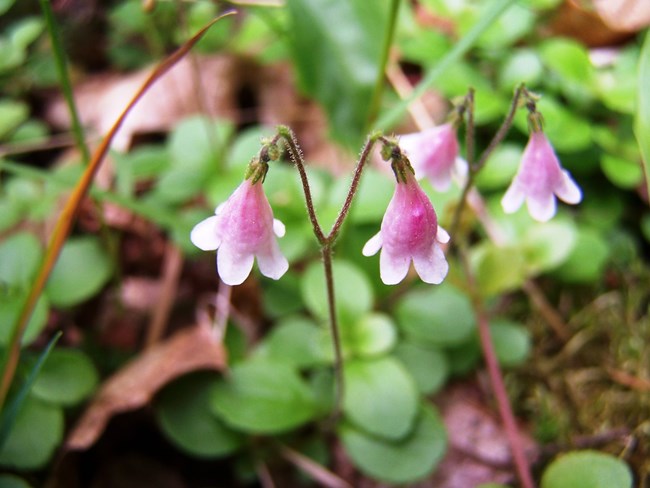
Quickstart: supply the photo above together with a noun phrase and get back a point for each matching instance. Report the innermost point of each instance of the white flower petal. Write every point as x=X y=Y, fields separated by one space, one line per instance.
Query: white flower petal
x=441 y=181
x=233 y=268
x=442 y=235
x=541 y=207
x=568 y=190
x=373 y=245
x=432 y=267
x=219 y=208
x=513 y=198
x=278 y=228
x=204 y=234
x=393 y=268
x=272 y=263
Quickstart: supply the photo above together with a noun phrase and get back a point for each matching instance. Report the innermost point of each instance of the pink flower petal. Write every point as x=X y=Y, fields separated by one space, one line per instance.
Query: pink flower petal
x=393 y=267
x=272 y=263
x=567 y=190
x=541 y=207
x=373 y=245
x=204 y=235
x=513 y=198
x=432 y=265
x=233 y=268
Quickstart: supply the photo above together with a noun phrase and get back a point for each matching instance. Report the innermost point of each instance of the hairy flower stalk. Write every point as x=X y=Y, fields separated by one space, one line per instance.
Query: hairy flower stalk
x=409 y=229
x=540 y=178
x=243 y=228
x=434 y=155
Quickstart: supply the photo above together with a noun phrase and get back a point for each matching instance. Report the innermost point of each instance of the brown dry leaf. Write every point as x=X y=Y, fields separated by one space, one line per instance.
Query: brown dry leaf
x=134 y=385
x=478 y=447
x=199 y=84
x=624 y=15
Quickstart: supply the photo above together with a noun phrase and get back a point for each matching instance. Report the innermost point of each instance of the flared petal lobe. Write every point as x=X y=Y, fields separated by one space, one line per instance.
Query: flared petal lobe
x=539 y=181
x=409 y=232
x=243 y=229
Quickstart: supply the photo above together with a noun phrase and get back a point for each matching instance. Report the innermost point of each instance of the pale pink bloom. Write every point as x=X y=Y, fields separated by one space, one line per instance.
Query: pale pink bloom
x=243 y=228
x=539 y=179
x=434 y=155
x=409 y=231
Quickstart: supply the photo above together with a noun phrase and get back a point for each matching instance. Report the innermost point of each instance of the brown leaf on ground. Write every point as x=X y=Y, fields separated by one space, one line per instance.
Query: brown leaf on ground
x=624 y=15
x=478 y=447
x=134 y=385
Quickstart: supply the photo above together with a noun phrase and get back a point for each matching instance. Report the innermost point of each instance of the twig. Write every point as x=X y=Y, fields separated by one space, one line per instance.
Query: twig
x=318 y=473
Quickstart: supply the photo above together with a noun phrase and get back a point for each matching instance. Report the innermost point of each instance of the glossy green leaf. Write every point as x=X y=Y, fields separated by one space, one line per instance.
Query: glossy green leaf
x=263 y=397
x=548 y=245
x=352 y=290
x=20 y=255
x=587 y=469
x=6 y=5
x=34 y=437
x=11 y=303
x=296 y=341
x=522 y=66
x=439 y=315
x=67 y=377
x=82 y=270
x=512 y=25
x=336 y=49
x=587 y=260
x=12 y=114
x=380 y=397
x=569 y=61
x=373 y=334
x=500 y=168
x=498 y=268
x=404 y=461
x=642 y=118
x=427 y=364
x=11 y=481
x=183 y=412
x=512 y=342
x=622 y=172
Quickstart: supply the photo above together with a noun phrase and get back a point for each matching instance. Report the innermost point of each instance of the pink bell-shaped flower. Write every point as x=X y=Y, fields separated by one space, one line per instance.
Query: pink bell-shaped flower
x=409 y=231
x=434 y=155
x=539 y=180
x=243 y=228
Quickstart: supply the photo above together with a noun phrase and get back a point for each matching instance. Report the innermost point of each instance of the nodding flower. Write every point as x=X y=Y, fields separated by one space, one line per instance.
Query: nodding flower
x=242 y=229
x=539 y=180
x=409 y=230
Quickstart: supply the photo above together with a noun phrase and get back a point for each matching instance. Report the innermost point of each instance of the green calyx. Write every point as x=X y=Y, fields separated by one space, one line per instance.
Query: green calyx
x=256 y=170
x=400 y=164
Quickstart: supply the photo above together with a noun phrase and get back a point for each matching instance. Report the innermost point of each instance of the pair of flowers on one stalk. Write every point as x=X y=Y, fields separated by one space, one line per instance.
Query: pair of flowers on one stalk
x=243 y=228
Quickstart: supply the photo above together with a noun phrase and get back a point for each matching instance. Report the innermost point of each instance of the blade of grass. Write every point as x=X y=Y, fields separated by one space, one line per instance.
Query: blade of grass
x=9 y=415
x=69 y=213
x=642 y=118
x=491 y=14
x=64 y=78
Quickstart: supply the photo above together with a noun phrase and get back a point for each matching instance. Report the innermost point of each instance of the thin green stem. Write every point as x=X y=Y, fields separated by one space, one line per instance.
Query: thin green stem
x=475 y=168
x=296 y=156
x=64 y=78
x=326 y=252
x=375 y=101
x=363 y=158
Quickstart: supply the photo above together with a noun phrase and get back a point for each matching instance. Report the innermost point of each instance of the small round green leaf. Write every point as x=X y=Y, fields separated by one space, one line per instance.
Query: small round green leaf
x=352 y=290
x=403 y=461
x=296 y=341
x=11 y=481
x=20 y=256
x=263 y=396
x=183 y=411
x=68 y=376
x=373 y=334
x=511 y=342
x=380 y=397
x=587 y=260
x=427 y=364
x=622 y=172
x=587 y=469
x=11 y=303
x=548 y=245
x=439 y=316
x=80 y=272
x=498 y=268
x=34 y=437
